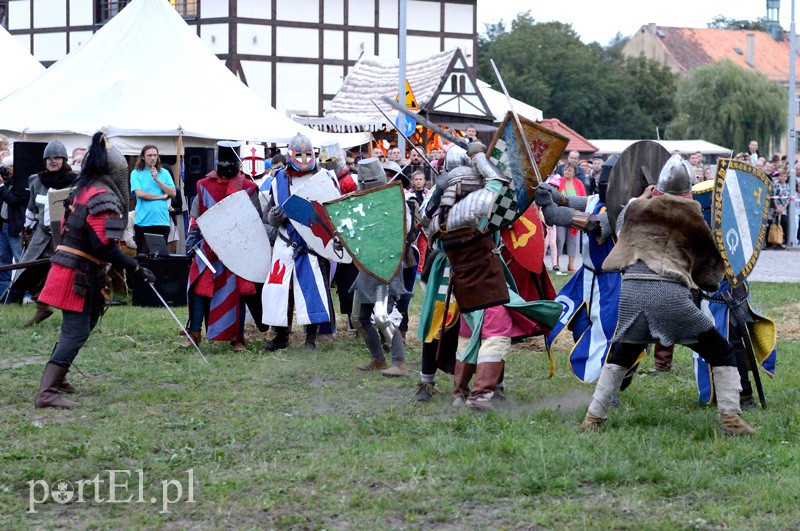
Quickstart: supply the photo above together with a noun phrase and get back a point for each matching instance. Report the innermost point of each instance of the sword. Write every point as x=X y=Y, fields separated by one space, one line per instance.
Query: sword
x=188 y=335
x=399 y=132
x=200 y=254
x=737 y=309
x=519 y=125
x=427 y=123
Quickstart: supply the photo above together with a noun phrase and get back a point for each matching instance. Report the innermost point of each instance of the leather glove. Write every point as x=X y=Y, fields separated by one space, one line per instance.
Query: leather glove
x=144 y=274
x=192 y=239
x=276 y=216
x=543 y=196
x=593 y=226
x=25 y=237
x=475 y=148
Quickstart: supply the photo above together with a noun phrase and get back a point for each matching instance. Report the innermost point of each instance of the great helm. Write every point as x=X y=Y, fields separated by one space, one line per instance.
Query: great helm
x=55 y=149
x=301 y=153
x=228 y=158
x=370 y=173
x=676 y=177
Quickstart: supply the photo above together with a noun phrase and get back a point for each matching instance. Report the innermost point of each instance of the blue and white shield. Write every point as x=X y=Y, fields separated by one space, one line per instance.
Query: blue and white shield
x=739 y=216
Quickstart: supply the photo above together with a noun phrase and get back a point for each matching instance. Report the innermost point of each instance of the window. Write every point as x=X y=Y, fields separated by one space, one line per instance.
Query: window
x=106 y=9
x=185 y=8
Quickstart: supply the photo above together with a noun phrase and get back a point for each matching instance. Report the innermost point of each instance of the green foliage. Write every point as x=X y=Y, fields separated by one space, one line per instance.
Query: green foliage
x=729 y=105
x=302 y=440
x=722 y=22
x=589 y=87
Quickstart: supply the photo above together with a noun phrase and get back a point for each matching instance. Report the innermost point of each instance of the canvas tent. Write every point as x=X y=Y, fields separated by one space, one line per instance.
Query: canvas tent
x=607 y=147
x=145 y=77
x=19 y=65
x=498 y=104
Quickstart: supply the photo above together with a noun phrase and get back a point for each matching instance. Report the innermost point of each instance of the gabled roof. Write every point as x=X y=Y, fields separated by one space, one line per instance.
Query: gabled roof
x=443 y=86
x=691 y=48
x=576 y=141
x=20 y=66
x=146 y=73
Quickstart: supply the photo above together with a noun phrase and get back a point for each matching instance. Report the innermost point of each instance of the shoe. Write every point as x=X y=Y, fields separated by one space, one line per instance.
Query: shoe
x=592 y=422
x=280 y=341
x=747 y=402
x=48 y=388
x=309 y=345
x=373 y=365
x=459 y=401
x=425 y=391
x=68 y=388
x=556 y=268
x=239 y=345
x=395 y=371
x=734 y=425
x=480 y=404
x=43 y=311
x=196 y=337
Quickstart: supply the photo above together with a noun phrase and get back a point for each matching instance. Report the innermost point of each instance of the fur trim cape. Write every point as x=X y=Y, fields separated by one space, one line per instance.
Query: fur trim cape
x=670 y=236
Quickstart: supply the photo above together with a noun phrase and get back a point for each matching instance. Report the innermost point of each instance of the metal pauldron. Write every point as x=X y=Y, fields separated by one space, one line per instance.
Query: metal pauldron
x=487 y=169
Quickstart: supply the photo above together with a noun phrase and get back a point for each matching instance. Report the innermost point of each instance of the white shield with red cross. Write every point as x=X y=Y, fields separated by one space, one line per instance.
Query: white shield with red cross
x=253 y=160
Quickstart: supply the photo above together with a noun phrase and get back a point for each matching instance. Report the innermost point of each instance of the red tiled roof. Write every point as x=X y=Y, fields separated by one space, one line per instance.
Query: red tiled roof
x=576 y=141
x=695 y=47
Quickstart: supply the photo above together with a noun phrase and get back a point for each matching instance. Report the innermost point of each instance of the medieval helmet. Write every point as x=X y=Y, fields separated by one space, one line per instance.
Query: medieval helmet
x=228 y=158
x=676 y=177
x=605 y=175
x=301 y=153
x=456 y=156
x=55 y=149
x=331 y=156
x=394 y=171
x=370 y=173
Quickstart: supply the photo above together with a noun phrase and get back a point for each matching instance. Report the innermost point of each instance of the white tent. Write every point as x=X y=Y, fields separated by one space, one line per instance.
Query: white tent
x=498 y=104
x=686 y=147
x=19 y=65
x=145 y=77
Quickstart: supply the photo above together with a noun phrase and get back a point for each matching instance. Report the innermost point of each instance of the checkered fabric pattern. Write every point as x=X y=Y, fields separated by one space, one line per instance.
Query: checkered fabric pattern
x=500 y=158
x=504 y=210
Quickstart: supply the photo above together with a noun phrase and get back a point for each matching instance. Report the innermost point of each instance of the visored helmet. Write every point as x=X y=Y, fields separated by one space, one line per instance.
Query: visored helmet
x=301 y=153
x=370 y=173
x=228 y=158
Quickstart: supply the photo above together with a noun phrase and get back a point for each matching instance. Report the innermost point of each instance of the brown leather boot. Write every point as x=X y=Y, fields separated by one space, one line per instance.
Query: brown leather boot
x=663 y=357
x=196 y=337
x=48 y=388
x=373 y=365
x=43 y=311
x=66 y=387
x=488 y=374
x=592 y=422
x=734 y=425
x=396 y=370
x=461 y=377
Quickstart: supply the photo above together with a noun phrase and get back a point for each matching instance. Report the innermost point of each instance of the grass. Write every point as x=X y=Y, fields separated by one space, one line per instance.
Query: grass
x=302 y=440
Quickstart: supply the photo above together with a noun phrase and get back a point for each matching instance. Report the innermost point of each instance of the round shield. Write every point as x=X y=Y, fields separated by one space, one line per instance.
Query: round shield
x=637 y=168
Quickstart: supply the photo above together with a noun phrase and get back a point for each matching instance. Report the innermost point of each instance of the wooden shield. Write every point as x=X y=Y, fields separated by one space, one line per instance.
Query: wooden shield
x=637 y=168
x=525 y=240
x=372 y=227
x=507 y=151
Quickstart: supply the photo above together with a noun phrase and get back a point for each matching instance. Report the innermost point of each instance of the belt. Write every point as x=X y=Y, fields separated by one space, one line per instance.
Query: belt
x=79 y=253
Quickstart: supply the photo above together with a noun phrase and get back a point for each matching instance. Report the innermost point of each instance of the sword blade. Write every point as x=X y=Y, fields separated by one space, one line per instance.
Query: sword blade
x=23 y=265
x=519 y=125
x=177 y=320
x=427 y=123
x=204 y=258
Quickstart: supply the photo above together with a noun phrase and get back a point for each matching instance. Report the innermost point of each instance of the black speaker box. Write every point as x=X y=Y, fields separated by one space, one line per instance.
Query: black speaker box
x=28 y=159
x=197 y=163
x=172 y=277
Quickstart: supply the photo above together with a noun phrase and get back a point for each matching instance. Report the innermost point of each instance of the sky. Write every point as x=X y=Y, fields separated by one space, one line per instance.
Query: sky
x=600 y=20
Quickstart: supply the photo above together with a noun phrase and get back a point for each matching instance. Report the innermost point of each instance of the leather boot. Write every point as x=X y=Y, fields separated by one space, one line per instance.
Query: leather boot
x=727 y=385
x=396 y=370
x=64 y=386
x=488 y=374
x=373 y=341
x=425 y=391
x=373 y=365
x=48 y=388
x=611 y=377
x=663 y=357
x=196 y=337
x=311 y=336
x=43 y=311
x=461 y=376
x=280 y=341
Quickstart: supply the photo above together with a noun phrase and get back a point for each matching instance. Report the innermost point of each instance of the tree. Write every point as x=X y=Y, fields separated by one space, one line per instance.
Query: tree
x=728 y=105
x=588 y=87
x=721 y=22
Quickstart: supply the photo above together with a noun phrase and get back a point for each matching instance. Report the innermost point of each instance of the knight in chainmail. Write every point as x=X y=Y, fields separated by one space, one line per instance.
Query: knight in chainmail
x=374 y=301
x=665 y=249
x=463 y=215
